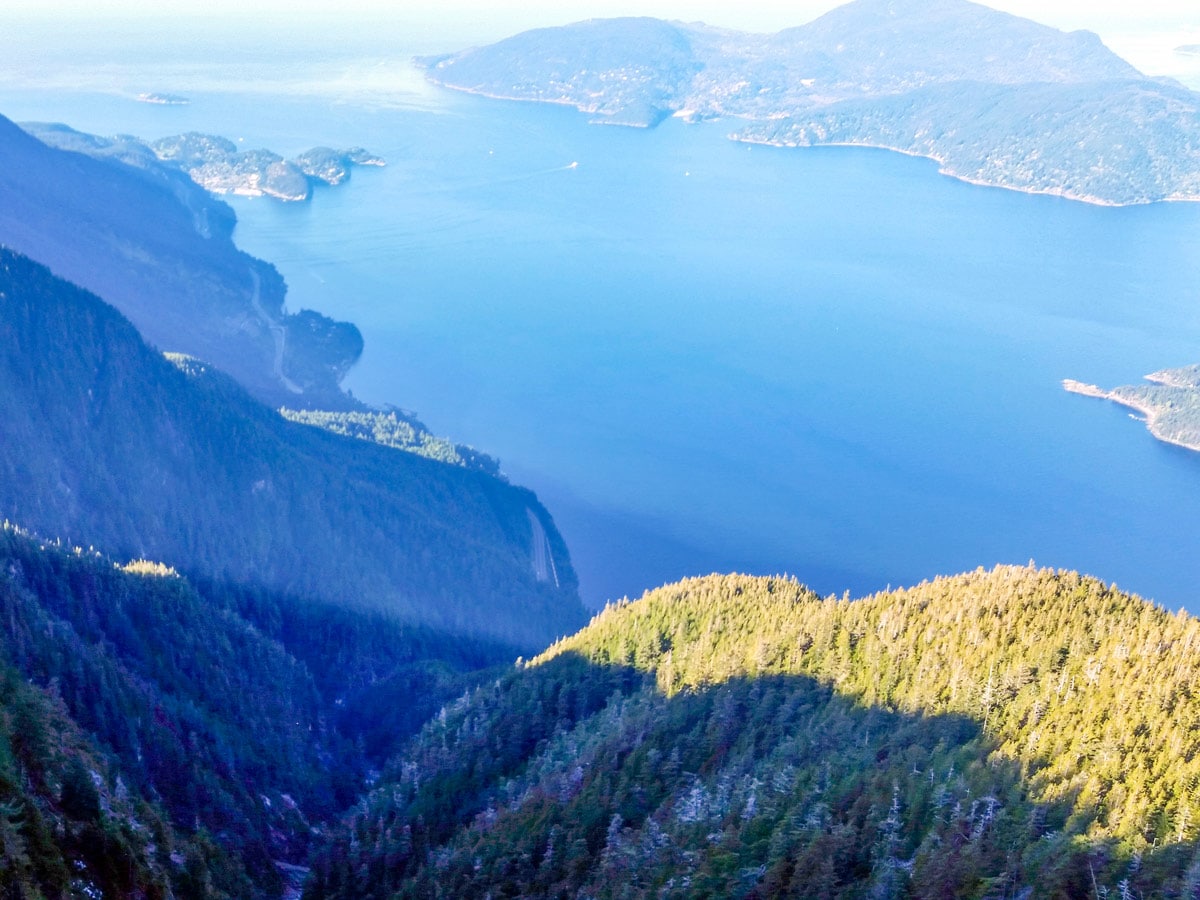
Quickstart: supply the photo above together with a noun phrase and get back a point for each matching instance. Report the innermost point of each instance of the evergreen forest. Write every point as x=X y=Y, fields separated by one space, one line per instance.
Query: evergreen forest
x=259 y=641
x=1007 y=733
x=105 y=443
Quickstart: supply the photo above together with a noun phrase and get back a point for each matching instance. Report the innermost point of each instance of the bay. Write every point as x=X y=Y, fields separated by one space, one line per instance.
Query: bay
x=707 y=356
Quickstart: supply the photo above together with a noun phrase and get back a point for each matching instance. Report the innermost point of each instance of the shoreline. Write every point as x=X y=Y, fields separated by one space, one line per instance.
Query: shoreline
x=602 y=118
x=475 y=92
x=967 y=179
x=1061 y=193
x=1149 y=416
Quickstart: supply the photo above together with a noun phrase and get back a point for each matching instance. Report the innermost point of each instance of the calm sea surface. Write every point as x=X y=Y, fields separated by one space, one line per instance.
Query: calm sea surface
x=705 y=356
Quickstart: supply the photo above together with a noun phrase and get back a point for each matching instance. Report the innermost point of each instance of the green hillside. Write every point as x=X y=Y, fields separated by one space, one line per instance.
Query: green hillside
x=188 y=703
x=394 y=428
x=104 y=442
x=66 y=827
x=1013 y=733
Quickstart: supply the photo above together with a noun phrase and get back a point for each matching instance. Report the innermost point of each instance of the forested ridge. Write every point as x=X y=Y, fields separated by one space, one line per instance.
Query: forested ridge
x=395 y=428
x=67 y=826
x=104 y=442
x=1012 y=733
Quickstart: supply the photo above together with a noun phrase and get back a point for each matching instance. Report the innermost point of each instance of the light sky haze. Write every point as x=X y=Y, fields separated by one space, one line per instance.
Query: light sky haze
x=1145 y=32
x=753 y=15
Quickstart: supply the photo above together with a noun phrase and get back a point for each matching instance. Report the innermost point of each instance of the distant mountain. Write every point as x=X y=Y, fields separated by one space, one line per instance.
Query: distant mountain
x=150 y=241
x=995 y=98
x=1117 y=143
x=631 y=71
x=895 y=45
x=1012 y=733
x=1170 y=403
x=105 y=442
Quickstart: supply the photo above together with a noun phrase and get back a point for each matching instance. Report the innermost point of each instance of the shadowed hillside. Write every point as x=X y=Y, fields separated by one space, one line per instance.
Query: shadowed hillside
x=1015 y=733
x=104 y=442
x=159 y=248
x=225 y=726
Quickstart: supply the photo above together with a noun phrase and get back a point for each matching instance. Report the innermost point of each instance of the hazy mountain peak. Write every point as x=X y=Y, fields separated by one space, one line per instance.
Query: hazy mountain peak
x=916 y=42
x=650 y=62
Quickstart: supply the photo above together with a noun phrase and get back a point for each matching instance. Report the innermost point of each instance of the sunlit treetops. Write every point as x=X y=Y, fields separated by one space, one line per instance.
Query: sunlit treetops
x=1016 y=732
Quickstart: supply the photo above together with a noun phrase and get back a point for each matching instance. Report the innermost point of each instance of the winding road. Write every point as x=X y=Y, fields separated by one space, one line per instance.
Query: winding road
x=543 y=557
x=277 y=331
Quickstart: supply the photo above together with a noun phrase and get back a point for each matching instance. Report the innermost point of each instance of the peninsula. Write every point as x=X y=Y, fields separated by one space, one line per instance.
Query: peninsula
x=216 y=163
x=995 y=99
x=1169 y=404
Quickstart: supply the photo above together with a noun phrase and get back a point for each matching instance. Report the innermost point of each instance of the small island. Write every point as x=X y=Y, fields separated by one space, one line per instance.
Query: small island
x=1188 y=50
x=163 y=99
x=216 y=164
x=1169 y=404
x=333 y=166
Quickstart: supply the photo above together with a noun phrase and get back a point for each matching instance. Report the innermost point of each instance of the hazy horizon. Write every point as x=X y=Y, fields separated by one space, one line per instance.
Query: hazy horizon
x=1145 y=34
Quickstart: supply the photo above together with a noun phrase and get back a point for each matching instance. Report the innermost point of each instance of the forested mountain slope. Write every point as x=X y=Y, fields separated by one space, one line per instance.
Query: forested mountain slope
x=66 y=828
x=190 y=706
x=105 y=442
x=396 y=428
x=225 y=727
x=159 y=248
x=1013 y=733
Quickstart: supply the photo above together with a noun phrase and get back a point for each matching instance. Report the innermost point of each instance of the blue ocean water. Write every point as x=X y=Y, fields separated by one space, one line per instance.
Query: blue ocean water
x=707 y=356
